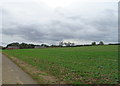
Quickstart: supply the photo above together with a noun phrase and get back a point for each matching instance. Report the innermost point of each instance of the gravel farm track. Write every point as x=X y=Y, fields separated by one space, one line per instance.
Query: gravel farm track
x=12 y=74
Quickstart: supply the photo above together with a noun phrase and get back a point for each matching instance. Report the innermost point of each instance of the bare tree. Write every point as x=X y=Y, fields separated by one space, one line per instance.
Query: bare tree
x=69 y=43
x=61 y=43
x=72 y=44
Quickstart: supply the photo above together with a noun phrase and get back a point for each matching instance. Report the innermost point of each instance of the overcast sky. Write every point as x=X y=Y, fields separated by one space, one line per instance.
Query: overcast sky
x=51 y=21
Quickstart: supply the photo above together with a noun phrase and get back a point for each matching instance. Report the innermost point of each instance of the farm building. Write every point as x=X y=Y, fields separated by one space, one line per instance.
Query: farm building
x=1 y=47
x=38 y=46
x=13 y=47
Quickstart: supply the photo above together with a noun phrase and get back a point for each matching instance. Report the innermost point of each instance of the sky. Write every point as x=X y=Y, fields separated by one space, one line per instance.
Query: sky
x=52 y=21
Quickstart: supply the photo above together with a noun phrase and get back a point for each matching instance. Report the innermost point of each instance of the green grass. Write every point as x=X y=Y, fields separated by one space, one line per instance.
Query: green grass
x=76 y=65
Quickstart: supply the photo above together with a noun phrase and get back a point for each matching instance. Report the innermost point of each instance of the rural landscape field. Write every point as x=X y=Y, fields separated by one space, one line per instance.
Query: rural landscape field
x=73 y=65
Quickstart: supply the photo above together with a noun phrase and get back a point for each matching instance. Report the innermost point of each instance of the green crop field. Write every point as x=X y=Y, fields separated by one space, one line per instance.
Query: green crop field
x=76 y=65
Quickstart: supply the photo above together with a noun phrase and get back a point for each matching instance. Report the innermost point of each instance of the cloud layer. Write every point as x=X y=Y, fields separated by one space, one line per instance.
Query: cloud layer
x=78 y=22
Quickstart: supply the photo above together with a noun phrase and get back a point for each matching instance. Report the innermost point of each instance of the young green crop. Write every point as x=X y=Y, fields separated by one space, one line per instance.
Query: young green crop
x=76 y=65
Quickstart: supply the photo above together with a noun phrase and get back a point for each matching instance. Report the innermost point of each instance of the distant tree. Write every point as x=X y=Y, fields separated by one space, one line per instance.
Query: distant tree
x=93 y=43
x=101 y=43
x=68 y=44
x=72 y=44
x=31 y=45
x=44 y=45
x=65 y=43
x=53 y=45
x=13 y=44
x=23 y=45
x=61 y=43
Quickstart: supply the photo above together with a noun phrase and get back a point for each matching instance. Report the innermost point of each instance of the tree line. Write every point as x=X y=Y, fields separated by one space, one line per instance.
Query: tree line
x=24 y=45
x=100 y=43
x=61 y=44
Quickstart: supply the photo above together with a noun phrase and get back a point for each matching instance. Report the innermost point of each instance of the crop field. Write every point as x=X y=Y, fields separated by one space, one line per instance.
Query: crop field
x=74 y=65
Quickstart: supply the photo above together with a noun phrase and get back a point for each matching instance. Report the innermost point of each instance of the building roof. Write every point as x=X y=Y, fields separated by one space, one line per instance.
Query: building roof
x=13 y=47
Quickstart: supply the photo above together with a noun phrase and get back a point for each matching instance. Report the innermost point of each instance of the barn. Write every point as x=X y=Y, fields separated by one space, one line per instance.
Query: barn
x=13 y=47
x=38 y=46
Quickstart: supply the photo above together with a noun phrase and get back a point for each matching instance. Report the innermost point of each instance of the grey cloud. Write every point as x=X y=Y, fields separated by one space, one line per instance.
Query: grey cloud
x=62 y=26
x=28 y=33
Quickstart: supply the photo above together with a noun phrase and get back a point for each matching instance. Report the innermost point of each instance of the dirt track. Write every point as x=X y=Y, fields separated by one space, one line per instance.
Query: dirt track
x=12 y=74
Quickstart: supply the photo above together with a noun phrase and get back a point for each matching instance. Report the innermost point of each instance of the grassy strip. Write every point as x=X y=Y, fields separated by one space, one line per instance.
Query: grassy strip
x=40 y=76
